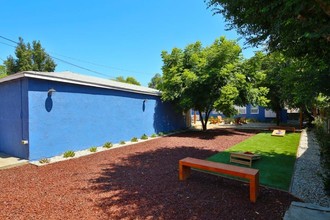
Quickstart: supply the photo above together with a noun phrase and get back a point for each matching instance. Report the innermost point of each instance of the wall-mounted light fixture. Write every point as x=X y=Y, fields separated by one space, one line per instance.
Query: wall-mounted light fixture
x=51 y=91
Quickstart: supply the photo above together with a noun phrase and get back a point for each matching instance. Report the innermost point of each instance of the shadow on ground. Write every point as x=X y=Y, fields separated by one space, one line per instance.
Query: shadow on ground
x=213 y=133
x=145 y=185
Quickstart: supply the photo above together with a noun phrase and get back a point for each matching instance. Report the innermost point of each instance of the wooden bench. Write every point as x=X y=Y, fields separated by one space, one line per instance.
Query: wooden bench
x=252 y=175
x=292 y=129
x=242 y=158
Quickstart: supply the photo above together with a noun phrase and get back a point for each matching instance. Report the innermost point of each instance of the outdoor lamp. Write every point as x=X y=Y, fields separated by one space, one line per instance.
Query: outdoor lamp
x=51 y=91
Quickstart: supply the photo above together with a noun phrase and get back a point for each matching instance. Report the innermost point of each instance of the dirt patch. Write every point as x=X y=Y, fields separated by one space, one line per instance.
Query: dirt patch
x=137 y=182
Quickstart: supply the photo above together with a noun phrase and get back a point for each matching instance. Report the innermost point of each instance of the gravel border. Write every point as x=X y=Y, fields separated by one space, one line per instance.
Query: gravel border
x=86 y=152
x=307 y=181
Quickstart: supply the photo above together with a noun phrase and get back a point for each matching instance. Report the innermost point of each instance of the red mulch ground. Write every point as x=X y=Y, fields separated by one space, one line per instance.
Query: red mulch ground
x=137 y=182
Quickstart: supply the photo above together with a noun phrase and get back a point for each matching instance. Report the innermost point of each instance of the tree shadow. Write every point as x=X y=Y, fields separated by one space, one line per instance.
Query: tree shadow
x=214 y=133
x=145 y=185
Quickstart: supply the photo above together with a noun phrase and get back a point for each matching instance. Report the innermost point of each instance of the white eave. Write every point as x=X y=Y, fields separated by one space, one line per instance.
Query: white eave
x=78 y=79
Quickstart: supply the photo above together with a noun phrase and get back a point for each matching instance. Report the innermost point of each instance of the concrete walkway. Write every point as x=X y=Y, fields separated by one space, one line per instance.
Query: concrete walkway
x=306 y=211
x=7 y=161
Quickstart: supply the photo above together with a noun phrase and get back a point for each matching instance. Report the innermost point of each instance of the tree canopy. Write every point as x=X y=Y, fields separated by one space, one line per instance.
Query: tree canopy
x=29 y=58
x=207 y=78
x=294 y=27
x=299 y=30
x=156 y=81
x=129 y=79
x=2 y=71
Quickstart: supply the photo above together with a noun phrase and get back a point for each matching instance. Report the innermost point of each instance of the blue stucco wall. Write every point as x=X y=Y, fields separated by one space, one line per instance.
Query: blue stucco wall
x=260 y=116
x=13 y=118
x=78 y=117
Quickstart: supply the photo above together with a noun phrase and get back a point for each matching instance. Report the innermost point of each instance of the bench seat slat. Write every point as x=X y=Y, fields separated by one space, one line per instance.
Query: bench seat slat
x=218 y=167
x=251 y=174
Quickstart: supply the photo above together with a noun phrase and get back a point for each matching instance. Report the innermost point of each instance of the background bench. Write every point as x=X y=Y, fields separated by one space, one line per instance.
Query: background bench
x=250 y=174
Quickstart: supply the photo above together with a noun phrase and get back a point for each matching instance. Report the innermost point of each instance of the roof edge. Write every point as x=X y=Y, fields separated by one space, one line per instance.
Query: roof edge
x=84 y=80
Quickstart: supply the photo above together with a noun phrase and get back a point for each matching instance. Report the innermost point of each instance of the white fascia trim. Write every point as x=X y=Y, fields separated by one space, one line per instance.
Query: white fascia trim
x=58 y=78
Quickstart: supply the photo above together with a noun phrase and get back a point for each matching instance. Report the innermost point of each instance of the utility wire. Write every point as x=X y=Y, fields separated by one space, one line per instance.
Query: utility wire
x=100 y=65
x=7 y=44
x=78 y=66
x=8 y=39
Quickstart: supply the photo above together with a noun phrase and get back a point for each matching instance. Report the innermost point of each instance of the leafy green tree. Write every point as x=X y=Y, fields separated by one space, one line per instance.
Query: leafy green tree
x=132 y=80
x=274 y=66
x=156 y=81
x=207 y=78
x=29 y=58
x=2 y=71
x=129 y=79
x=295 y=27
x=299 y=30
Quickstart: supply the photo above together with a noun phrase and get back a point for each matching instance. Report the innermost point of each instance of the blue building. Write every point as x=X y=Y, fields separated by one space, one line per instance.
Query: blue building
x=46 y=114
x=259 y=113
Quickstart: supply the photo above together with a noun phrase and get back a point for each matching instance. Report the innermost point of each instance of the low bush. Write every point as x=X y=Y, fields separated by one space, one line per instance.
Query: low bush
x=93 y=149
x=154 y=135
x=134 y=139
x=229 y=120
x=44 y=160
x=69 y=153
x=108 y=145
x=323 y=139
x=160 y=134
x=252 y=120
x=122 y=142
x=144 y=137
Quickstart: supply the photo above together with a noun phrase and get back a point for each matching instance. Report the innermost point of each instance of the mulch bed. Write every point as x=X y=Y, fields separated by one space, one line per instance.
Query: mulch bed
x=137 y=182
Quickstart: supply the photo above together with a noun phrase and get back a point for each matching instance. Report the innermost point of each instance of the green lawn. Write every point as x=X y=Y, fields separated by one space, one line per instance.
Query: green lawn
x=278 y=155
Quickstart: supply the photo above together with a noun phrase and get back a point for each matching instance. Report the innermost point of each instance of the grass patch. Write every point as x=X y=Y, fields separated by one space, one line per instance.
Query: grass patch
x=278 y=156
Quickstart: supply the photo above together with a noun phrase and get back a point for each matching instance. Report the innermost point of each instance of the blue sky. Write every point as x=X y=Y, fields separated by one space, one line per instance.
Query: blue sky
x=111 y=37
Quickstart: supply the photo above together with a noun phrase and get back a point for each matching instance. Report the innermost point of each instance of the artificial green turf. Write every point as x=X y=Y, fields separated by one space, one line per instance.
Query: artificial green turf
x=278 y=155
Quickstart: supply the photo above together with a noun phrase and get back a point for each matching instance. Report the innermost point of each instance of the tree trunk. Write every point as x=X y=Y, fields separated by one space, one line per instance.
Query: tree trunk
x=204 y=120
x=301 y=118
x=278 y=118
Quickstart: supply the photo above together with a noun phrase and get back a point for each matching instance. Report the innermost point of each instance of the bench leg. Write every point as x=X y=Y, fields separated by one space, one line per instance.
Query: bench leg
x=254 y=188
x=184 y=172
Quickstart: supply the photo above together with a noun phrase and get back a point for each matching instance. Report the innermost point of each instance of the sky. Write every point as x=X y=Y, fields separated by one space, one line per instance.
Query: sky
x=110 y=38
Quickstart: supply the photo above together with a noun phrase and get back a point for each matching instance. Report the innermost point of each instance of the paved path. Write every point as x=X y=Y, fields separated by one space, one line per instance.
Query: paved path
x=7 y=161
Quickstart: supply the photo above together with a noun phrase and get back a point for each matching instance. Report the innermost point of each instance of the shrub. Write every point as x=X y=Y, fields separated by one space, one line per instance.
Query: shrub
x=93 y=149
x=144 y=137
x=44 y=160
x=122 y=142
x=160 y=134
x=69 y=153
x=134 y=139
x=154 y=135
x=229 y=120
x=252 y=120
x=323 y=139
x=107 y=145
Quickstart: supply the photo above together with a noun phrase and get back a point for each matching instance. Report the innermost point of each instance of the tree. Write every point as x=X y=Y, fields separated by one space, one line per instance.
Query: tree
x=207 y=78
x=156 y=81
x=274 y=66
x=129 y=79
x=29 y=58
x=295 y=27
x=299 y=30
x=2 y=71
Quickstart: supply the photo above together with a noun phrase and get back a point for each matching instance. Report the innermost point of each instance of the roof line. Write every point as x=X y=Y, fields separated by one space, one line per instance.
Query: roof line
x=78 y=79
